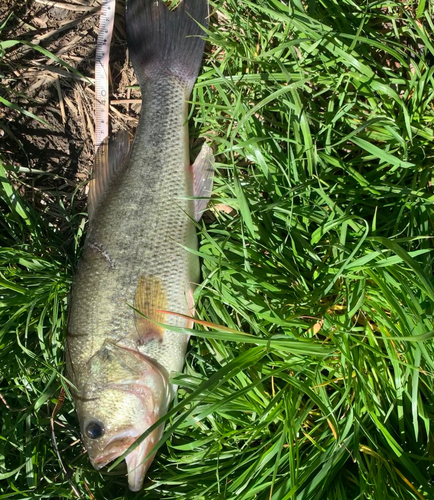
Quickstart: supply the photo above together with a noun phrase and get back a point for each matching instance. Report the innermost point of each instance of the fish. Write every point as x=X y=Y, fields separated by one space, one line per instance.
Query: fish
x=139 y=258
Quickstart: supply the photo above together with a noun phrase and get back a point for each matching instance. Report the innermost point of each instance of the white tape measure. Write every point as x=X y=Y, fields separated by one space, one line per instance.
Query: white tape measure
x=102 y=103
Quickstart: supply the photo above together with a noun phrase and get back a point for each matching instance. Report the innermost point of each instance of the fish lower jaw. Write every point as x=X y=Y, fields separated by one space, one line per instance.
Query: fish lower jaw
x=137 y=465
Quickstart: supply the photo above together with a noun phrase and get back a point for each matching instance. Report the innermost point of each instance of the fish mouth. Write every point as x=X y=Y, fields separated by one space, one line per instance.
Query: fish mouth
x=137 y=466
x=114 y=449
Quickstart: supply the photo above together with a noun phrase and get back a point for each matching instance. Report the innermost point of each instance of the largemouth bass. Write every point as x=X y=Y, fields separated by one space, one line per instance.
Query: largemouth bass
x=135 y=262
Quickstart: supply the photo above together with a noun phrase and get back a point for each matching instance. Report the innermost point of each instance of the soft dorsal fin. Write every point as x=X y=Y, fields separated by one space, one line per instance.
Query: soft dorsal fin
x=108 y=160
x=203 y=176
x=150 y=298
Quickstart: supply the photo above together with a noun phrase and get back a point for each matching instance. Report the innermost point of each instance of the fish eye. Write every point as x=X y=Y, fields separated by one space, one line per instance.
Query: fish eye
x=94 y=429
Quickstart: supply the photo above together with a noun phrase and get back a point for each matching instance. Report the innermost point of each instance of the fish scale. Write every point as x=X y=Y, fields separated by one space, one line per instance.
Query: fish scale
x=136 y=250
x=147 y=241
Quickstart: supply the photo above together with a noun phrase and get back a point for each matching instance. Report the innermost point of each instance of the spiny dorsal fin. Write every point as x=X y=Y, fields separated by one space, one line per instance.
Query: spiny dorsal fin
x=109 y=160
x=150 y=297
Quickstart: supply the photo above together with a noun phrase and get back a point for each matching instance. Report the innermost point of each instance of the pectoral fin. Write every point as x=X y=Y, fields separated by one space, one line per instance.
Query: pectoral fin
x=150 y=297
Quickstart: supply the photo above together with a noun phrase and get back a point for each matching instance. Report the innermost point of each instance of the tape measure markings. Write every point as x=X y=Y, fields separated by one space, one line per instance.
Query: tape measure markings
x=102 y=56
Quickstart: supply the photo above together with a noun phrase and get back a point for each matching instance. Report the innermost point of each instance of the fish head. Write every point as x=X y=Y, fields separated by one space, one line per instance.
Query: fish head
x=125 y=393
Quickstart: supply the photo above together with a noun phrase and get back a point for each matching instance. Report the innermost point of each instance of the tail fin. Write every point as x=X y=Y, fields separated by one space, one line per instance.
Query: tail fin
x=167 y=42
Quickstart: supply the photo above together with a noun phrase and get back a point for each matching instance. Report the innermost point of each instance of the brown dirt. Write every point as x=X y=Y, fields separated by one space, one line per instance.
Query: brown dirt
x=63 y=146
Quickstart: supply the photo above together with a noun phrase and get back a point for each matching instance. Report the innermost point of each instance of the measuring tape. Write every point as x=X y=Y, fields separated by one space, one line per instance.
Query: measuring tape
x=106 y=23
x=102 y=102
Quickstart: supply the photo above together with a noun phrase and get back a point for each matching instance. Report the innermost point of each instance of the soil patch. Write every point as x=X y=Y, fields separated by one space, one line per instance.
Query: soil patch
x=57 y=147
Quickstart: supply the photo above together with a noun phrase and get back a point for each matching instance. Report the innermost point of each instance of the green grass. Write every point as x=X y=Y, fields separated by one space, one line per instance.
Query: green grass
x=321 y=114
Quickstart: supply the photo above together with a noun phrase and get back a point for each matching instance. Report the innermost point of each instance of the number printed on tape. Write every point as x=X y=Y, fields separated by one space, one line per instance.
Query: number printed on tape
x=106 y=24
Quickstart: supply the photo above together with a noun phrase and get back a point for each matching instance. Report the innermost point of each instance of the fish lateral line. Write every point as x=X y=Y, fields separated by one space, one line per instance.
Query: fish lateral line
x=99 y=248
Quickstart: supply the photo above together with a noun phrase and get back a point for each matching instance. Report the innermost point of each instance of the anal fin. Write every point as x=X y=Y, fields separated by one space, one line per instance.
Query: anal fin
x=203 y=176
